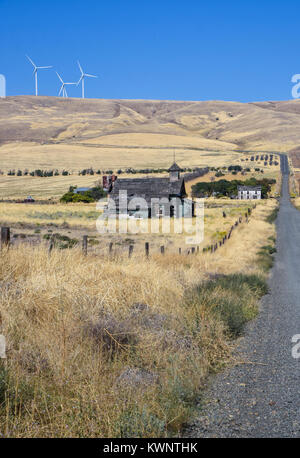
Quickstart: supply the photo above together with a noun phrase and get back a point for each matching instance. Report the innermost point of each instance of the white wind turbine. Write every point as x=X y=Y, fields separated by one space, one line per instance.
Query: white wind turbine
x=81 y=79
x=63 y=86
x=35 y=70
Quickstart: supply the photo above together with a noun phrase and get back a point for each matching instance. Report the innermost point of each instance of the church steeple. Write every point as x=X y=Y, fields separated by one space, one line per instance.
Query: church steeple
x=174 y=172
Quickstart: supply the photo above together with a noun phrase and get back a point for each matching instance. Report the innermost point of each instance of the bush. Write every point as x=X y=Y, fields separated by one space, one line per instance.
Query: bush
x=233 y=299
x=236 y=168
x=272 y=216
x=91 y=195
x=61 y=241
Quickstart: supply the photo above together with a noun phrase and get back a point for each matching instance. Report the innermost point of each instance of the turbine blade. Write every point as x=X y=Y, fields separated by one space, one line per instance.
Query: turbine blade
x=49 y=66
x=90 y=76
x=60 y=90
x=59 y=77
x=31 y=61
x=80 y=79
x=80 y=67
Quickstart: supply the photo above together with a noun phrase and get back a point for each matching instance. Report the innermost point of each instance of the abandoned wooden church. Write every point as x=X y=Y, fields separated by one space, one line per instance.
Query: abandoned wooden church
x=151 y=197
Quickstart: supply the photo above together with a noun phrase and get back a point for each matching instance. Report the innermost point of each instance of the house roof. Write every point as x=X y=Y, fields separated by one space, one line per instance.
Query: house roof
x=148 y=188
x=174 y=168
x=249 y=188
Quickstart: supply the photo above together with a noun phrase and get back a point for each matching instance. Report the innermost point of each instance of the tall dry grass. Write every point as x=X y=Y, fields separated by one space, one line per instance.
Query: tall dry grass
x=120 y=347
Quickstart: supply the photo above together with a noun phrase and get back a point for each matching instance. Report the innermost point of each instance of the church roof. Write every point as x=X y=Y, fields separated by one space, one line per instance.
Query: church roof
x=174 y=168
x=148 y=188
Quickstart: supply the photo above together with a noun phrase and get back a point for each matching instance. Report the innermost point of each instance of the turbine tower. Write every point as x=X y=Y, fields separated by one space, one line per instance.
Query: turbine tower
x=81 y=79
x=35 y=71
x=63 y=86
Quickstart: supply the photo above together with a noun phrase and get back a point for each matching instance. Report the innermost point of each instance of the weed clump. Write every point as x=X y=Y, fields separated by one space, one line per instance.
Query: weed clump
x=232 y=299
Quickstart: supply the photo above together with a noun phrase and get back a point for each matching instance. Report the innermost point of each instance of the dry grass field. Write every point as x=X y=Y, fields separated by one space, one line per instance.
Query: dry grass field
x=51 y=133
x=18 y=187
x=74 y=157
x=118 y=347
x=44 y=132
x=35 y=223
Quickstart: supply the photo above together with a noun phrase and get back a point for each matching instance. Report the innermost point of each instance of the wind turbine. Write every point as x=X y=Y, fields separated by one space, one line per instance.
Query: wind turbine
x=63 y=86
x=35 y=70
x=81 y=79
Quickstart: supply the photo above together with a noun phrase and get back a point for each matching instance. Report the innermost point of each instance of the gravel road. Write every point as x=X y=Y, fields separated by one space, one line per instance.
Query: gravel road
x=259 y=396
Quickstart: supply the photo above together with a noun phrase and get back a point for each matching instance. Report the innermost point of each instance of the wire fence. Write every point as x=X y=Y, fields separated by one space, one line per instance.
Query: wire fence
x=88 y=245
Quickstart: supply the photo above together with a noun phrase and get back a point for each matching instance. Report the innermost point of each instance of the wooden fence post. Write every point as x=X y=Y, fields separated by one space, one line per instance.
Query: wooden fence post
x=5 y=236
x=130 y=251
x=110 y=247
x=84 y=244
x=162 y=249
x=51 y=245
x=179 y=250
x=198 y=249
x=147 y=249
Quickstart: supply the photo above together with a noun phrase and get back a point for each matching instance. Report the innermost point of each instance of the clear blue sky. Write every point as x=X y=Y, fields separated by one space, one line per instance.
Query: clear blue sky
x=183 y=50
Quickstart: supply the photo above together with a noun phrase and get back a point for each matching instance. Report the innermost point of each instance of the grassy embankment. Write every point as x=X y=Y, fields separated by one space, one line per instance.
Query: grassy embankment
x=121 y=347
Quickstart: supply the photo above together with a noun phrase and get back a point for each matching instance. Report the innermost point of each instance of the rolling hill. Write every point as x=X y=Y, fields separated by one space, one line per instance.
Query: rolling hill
x=52 y=132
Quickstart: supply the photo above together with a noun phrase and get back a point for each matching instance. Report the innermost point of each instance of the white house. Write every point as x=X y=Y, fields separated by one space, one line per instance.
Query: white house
x=249 y=192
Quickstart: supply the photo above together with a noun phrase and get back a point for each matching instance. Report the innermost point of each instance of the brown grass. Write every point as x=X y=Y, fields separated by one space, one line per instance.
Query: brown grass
x=72 y=330
x=76 y=220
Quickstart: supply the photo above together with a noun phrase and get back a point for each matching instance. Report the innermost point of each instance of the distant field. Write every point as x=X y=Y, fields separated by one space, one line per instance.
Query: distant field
x=13 y=187
x=76 y=157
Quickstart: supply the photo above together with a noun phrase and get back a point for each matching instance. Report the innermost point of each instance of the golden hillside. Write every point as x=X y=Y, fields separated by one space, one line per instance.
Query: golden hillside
x=74 y=133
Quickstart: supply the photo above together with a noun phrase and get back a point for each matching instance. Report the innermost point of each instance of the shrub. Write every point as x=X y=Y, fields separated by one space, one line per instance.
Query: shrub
x=236 y=168
x=61 y=241
x=233 y=299
x=71 y=197
x=272 y=216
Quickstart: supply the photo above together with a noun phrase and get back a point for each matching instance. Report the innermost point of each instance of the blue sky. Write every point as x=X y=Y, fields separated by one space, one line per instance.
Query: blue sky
x=181 y=50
